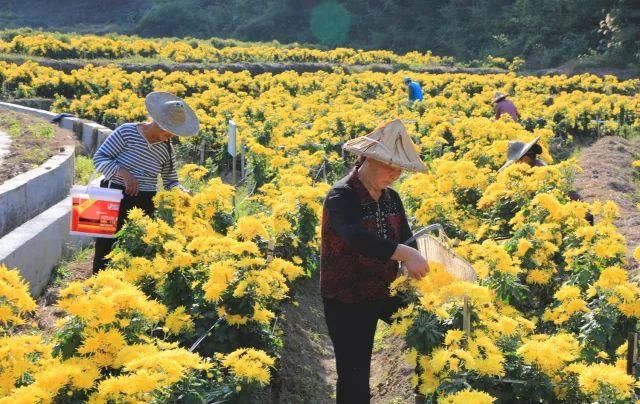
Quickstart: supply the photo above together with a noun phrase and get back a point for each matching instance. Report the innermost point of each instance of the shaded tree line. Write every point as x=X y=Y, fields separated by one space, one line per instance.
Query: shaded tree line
x=544 y=32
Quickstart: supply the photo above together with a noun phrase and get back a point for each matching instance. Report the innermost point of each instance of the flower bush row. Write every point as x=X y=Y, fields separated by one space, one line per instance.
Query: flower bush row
x=550 y=311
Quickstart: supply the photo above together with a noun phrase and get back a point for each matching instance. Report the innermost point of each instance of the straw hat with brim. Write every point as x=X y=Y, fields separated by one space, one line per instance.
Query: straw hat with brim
x=172 y=114
x=516 y=150
x=499 y=96
x=389 y=144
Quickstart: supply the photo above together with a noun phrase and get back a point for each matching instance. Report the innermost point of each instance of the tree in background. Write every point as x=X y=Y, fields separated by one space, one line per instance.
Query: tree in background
x=544 y=32
x=330 y=23
x=620 y=30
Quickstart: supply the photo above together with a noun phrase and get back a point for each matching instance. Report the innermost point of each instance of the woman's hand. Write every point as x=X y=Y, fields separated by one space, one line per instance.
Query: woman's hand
x=415 y=263
x=130 y=182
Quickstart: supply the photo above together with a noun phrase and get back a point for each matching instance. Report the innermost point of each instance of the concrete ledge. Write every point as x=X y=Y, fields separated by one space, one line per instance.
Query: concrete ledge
x=29 y=194
x=48 y=115
x=93 y=135
x=37 y=246
x=35 y=207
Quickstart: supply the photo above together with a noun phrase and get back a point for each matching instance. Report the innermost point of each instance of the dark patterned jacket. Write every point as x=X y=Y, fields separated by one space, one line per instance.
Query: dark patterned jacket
x=359 y=236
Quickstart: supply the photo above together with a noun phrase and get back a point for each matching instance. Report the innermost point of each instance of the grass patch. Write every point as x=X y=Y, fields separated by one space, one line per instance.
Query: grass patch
x=11 y=124
x=41 y=130
x=383 y=331
x=62 y=272
x=35 y=156
x=84 y=170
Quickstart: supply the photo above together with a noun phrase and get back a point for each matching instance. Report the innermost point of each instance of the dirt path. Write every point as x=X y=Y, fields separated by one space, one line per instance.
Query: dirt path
x=306 y=373
x=608 y=174
x=78 y=268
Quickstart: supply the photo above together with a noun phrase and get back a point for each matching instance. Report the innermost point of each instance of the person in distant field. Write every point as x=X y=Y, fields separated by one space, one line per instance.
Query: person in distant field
x=505 y=106
x=527 y=153
x=134 y=154
x=415 y=91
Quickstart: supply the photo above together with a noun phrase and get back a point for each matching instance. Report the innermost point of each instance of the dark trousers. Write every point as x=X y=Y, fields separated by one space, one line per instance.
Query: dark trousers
x=351 y=328
x=144 y=201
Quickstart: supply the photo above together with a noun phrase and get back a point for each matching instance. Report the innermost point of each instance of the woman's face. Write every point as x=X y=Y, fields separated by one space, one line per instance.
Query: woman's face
x=528 y=159
x=163 y=135
x=383 y=174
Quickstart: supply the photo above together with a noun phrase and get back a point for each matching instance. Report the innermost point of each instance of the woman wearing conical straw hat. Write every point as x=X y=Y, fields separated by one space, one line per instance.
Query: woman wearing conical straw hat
x=134 y=154
x=521 y=152
x=505 y=106
x=363 y=227
x=527 y=153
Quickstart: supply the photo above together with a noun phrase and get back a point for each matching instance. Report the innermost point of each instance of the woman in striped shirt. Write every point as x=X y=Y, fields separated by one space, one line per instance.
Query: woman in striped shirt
x=133 y=156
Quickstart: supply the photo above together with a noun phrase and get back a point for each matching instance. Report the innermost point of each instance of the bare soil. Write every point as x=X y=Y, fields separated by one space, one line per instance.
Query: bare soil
x=48 y=313
x=33 y=141
x=608 y=174
x=306 y=370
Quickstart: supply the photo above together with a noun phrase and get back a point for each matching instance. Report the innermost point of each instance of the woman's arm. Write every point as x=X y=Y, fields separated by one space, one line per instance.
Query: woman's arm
x=104 y=159
x=168 y=171
x=344 y=220
x=341 y=206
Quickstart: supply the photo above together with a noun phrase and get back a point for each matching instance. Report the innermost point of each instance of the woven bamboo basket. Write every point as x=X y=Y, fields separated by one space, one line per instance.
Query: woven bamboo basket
x=437 y=249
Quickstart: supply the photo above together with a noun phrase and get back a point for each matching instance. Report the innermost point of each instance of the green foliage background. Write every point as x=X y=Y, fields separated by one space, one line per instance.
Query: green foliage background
x=545 y=32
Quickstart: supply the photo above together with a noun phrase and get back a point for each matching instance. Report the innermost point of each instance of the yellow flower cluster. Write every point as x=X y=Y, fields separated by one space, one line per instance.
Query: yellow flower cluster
x=467 y=396
x=119 y=46
x=250 y=364
x=15 y=300
x=545 y=273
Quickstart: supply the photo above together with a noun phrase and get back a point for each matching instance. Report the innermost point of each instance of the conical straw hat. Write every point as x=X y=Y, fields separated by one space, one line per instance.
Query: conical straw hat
x=172 y=114
x=517 y=149
x=389 y=144
x=499 y=96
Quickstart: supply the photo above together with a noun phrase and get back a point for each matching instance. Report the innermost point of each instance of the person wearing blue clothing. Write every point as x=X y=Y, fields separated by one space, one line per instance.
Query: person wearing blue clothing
x=415 y=91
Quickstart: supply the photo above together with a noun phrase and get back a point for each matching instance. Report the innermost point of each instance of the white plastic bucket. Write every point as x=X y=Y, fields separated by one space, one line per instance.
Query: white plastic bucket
x=94 y=211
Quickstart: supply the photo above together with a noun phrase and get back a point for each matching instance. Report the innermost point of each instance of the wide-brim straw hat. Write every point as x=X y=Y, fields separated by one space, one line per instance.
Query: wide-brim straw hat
x=517 y=149
x=172 y=113
x=390 y=144
x=499 y=96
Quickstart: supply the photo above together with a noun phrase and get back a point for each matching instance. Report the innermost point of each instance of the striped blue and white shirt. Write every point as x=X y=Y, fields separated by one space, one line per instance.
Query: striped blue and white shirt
x=126 y=148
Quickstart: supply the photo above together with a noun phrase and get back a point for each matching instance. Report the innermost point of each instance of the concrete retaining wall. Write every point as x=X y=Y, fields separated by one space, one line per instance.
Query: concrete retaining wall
x=37 y=246
x=31 y=193
x=35 y=208
x=48 y=115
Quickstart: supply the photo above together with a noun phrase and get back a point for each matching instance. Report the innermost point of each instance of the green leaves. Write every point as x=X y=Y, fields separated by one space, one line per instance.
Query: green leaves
x=425 y=333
